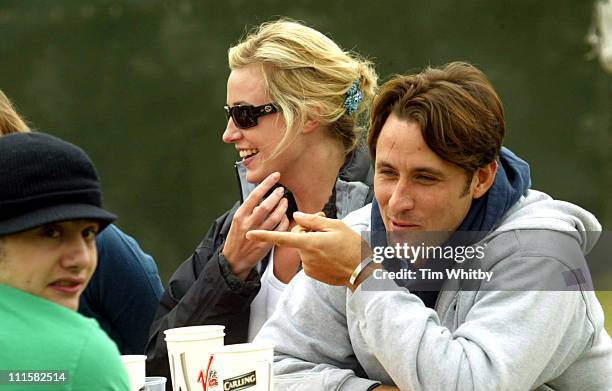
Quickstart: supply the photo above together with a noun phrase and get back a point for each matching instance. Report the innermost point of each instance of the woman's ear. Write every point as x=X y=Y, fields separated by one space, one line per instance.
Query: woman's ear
x=310 y=125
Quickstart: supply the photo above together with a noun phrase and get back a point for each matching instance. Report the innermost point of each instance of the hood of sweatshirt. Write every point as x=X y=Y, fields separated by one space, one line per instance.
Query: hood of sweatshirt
x=538 y=211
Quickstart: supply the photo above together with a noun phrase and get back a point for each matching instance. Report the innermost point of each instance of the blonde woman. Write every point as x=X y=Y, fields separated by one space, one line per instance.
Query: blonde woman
x=294 y=103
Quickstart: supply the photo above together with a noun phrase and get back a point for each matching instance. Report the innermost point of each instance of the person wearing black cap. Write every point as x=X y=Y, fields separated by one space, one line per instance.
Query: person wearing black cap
x=50 y=213
x=124 y=291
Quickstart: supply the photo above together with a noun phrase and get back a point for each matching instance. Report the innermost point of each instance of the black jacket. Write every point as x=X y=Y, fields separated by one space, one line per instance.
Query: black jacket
x=203 y=292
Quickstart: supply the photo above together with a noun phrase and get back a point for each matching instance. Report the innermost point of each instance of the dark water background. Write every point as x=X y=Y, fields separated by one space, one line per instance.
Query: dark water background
x=140 y=84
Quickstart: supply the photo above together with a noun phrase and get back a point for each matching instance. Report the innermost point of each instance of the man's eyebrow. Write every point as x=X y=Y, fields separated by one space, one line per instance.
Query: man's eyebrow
x=429 y=170
x=383 y=163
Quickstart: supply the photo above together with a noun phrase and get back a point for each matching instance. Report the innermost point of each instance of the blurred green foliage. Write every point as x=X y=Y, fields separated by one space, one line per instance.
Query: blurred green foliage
x=139 y=84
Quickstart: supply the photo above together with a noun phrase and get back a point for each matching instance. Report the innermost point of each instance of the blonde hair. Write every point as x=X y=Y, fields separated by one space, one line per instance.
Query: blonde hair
x=307 y=76
x=10 y=121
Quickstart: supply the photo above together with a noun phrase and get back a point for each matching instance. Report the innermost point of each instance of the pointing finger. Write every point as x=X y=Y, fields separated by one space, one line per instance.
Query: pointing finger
x=314 y=222
x=299 y=229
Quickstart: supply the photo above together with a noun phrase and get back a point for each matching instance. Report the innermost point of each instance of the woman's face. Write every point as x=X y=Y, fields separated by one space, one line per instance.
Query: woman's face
x=255 y=146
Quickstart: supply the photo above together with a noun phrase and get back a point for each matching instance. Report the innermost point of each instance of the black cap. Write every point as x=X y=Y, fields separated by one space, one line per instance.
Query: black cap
x=45 y=180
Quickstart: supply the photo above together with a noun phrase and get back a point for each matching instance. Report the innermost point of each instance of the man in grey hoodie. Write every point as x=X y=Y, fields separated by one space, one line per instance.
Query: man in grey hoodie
x=533 y=324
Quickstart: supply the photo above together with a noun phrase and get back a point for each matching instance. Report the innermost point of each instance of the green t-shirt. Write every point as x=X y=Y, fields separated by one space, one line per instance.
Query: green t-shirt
x=37 y=334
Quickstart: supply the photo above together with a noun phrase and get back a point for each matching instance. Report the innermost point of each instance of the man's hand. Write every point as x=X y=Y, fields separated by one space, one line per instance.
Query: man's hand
x=329 y=250
x=382 y=387
x=243 y=254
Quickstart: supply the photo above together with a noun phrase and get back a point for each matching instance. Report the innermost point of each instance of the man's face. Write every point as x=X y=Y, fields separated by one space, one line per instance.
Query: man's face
x=417 y=191
x=53 y=261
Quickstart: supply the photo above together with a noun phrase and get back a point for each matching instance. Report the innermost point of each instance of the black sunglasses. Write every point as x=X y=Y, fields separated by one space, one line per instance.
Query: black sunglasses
x=245 y=116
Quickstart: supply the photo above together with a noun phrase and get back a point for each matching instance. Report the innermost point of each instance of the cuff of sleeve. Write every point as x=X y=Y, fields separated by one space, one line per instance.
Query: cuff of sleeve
x=245 y=287
x=358 y=383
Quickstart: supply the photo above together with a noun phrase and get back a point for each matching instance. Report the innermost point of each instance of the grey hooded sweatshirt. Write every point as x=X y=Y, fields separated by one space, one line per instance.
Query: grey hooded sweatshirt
x=510 y=333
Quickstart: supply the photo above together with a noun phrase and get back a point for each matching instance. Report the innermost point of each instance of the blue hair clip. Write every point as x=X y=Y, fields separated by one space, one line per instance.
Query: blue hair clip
x=353 y=97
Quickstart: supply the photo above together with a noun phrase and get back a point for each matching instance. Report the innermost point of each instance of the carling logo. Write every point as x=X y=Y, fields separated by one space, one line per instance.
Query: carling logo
x=241 y=382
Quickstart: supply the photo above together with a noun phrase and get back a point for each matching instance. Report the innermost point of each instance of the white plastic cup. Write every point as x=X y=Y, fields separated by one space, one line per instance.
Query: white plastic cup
x=188 y=351
x=135 y=367
x=155 y=383
x=236 y=367
x=299 y=382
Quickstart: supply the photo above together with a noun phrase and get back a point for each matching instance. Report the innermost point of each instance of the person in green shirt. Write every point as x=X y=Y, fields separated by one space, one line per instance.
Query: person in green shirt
x=50 y=214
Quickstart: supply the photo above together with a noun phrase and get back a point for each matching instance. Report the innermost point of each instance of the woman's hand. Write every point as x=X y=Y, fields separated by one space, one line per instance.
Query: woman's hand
x=241 y=253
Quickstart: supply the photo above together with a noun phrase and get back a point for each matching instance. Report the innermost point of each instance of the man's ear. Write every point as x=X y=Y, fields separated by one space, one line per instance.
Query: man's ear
x=483 y=178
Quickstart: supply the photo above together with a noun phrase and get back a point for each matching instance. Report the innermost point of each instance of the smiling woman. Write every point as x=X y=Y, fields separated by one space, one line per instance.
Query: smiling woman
x=295 y=105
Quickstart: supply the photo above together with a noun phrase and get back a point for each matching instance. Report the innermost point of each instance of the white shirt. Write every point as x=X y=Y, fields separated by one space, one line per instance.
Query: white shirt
x=265 y=302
